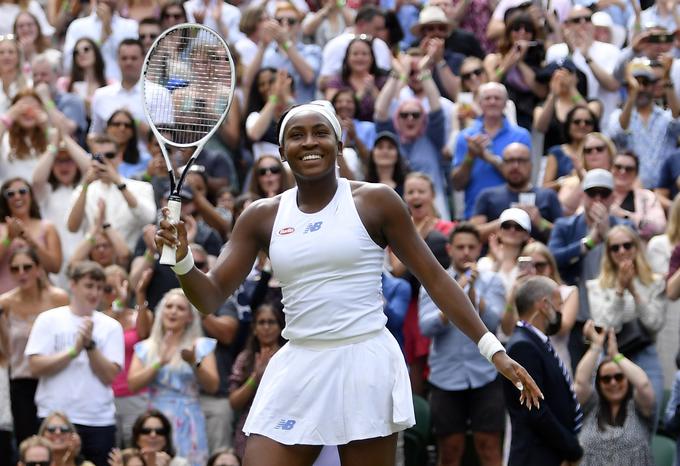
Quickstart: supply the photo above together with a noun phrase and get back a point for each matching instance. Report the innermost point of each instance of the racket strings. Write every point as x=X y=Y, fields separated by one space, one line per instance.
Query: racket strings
x=187 y=84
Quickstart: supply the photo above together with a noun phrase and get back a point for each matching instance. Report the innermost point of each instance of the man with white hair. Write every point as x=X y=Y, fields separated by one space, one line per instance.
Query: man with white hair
x=65 y=110
x=477 y=159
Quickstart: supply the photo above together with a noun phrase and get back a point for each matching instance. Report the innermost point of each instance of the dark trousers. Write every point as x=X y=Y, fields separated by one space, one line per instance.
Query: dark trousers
x=577 y=347
x=24 y=412
x=6 y=449
x=97 y=442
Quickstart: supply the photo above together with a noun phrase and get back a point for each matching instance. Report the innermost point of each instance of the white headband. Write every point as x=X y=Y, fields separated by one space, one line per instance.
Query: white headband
x=323 y=107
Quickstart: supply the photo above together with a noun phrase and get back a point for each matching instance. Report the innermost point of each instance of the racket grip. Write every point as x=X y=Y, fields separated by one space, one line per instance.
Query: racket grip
x=169 y=253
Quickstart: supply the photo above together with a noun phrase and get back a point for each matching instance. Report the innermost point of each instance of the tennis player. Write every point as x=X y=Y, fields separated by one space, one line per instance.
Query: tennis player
x=341 y=379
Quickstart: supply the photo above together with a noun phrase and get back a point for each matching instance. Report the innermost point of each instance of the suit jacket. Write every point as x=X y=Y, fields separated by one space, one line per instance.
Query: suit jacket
x=544 y=436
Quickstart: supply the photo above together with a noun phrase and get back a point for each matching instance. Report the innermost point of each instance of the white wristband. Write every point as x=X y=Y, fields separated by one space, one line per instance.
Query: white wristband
x=489 y=345
x=184 y=266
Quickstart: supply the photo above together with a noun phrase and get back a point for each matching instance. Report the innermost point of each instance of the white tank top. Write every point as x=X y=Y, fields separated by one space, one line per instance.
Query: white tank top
x=329 y=268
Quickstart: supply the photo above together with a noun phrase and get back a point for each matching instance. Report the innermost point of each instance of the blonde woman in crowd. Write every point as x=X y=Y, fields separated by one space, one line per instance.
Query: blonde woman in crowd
x=21 y=305
x=66 y=443
x=627 y=293
x=173 y=362
x=11 y=75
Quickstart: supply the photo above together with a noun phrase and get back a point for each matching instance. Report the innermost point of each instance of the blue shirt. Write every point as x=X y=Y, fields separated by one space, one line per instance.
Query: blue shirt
x=669 y=173
x=484 y=175
x=276 y=59
x=653 y=142
x=455 y=361
x=493 y=201
x=397 y=296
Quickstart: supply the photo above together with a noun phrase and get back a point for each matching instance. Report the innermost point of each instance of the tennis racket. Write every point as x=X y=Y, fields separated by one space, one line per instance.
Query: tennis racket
x=188 y=85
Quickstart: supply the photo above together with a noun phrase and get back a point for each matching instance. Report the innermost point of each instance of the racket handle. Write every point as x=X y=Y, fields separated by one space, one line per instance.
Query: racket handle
x=169 y=253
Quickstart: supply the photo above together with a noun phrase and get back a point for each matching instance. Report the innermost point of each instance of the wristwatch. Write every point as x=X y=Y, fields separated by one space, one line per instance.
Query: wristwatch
x=121 y=186
x=90 y=346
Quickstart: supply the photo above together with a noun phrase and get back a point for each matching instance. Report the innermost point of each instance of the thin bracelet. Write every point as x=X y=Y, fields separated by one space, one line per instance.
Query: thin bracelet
x=157 y=365
x=72 y=353
x=251 y=382
x=618 y=358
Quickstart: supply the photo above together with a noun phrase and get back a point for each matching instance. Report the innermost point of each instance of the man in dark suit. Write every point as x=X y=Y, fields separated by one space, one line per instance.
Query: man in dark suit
x=546 y=436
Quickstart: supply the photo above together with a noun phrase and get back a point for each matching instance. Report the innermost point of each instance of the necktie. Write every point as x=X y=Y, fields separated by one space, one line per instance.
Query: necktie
x=578 y=414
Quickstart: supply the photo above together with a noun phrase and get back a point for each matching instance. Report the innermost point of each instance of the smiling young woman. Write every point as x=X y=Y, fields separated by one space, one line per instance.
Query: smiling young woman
x=333 y=343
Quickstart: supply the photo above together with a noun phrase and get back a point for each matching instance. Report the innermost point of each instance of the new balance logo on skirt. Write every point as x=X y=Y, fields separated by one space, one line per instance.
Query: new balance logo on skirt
x=285 y=424
x=312 y=227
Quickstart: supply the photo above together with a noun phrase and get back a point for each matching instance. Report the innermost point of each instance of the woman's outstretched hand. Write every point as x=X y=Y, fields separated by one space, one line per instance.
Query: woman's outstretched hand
x=530 y=394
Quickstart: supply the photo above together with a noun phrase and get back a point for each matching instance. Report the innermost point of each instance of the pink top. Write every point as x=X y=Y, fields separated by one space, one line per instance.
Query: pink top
x=120 y=385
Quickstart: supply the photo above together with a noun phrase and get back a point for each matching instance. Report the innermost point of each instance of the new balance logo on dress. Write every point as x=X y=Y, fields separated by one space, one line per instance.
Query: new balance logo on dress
x=312 y=227
x=286 y=424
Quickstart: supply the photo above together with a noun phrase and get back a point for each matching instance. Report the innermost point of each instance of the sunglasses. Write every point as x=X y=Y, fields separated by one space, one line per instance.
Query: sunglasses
x=7 y=37
x=122 y=124
x=108 y=155
x=148 y=36
x=20 y=268
x=526 y=27
x=406 y=115
x=108 y=289
x=37 y=463
x=627 y=246
x=174 y=15
x=518 y=161
x=264 y=322
x=643 y=81
x=602 y=193
x=607 y=379
x=288 y=21
x=590 y=150
x=274 y=170
x=540 y=266
x=153 y=430
x=579 y=20
x=582 y=122
x=511 y=226
x=624 y=168
x=435 y=27
x=10 y=193
x=83 y=50
x=64 y=429
x=477 y=72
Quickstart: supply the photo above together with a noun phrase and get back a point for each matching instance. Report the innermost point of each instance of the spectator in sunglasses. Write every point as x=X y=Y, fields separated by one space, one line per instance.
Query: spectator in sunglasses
x=21 y=305
x=268 y=177
x=595 y=59
x=520 y=56
x=35 y=451
x=174 y=362
x=639 y=205
x=619 y=412
x=149 y=30
x=643 y=126
x=23 y=226
x=129 y=203
x=152 y=434
x=172 y=14
x=136 y=325
x=577 y=242
x=62 y=435
x=627 y=290
x=122 y=128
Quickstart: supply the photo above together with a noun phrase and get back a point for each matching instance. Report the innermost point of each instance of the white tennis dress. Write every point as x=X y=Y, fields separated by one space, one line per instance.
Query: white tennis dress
x=341 y=376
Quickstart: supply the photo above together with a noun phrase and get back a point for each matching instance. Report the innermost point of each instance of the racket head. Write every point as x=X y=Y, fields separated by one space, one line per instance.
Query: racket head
x=188 y=82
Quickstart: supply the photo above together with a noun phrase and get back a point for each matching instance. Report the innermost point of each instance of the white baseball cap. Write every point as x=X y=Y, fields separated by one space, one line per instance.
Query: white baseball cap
x=517 y=215
x=598 y=178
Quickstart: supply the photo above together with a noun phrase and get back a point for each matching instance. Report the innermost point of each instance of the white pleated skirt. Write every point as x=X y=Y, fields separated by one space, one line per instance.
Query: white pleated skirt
x=332 y=393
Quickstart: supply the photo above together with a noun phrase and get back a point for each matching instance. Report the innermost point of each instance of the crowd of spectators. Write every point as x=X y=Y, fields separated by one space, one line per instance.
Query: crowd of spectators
x=527 y=139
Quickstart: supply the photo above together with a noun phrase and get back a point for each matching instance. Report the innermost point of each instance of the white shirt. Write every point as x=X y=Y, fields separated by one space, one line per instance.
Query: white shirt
x=76 y=390
x=10 y=11
x=606 y=56
x=230 y=17
x=246 y=49
x=12 y=167
x=91 y=26
x=334 y=53
x=127 y=221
